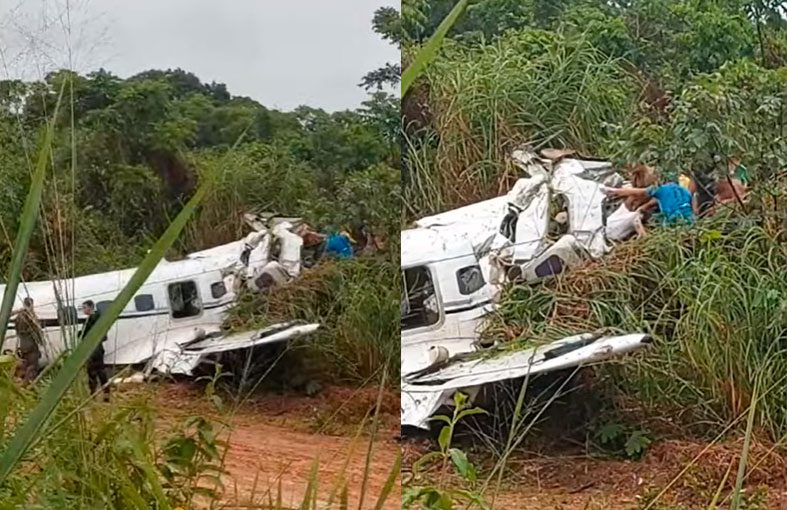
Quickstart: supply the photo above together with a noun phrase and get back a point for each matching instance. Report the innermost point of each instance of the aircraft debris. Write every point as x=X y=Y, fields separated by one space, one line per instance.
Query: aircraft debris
x=174 y=323
x=454 y=265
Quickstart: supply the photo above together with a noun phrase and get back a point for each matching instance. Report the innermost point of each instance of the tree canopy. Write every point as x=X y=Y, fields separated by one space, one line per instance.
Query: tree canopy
x=667 y=82
x=129 y=151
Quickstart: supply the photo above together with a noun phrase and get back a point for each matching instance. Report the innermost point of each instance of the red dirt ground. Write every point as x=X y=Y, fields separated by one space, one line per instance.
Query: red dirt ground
x=279 y=437
x=580 y=482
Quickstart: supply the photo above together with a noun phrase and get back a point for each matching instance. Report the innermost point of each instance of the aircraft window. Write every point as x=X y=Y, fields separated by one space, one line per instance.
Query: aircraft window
x=144 y=303
x=67 y=316
x=102 y=306
x=218 y=290
x=470 y=279
x=419 y=306
x=551 y=266
x=184 y=300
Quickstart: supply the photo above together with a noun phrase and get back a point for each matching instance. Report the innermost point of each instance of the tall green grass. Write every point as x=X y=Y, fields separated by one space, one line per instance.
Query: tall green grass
x=355 y=303
x=27 y=223
x=427 y=53
x=527 y=87
x=713 y=297
x=109 y=458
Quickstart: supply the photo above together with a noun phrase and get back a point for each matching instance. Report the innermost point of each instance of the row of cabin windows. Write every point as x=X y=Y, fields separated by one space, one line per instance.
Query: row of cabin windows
x=183 y=298
x=419 y=307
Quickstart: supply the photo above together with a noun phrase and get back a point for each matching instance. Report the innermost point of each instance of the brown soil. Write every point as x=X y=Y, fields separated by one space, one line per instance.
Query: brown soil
x=277 y=439
x=580 y=482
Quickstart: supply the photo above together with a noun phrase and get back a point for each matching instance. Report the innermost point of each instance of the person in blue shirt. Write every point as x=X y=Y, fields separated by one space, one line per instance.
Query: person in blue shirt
x=672 y=199
x=338 y=245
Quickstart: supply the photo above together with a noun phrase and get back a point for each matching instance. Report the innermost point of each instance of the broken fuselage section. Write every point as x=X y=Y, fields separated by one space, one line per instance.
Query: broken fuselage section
x=454 y=265
x=174 y=322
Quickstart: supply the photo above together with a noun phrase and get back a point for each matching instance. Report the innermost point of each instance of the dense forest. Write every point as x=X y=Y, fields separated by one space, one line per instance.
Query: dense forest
x=654 y=81
x=128 y=152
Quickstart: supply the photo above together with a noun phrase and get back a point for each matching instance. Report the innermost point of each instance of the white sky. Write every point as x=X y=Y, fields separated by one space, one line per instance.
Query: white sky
x=283 y=53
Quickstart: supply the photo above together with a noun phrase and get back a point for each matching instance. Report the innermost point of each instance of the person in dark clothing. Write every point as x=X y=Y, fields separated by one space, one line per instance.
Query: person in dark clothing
x=96 y=372
x=30 y=336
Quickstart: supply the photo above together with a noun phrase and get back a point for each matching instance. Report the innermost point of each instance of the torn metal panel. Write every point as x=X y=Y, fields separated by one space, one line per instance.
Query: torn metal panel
x=507 y=237
x=183 y=360
x=585 y=200
x=566 y=253
x=418 y=406
x=622 y=224
x=425 y=391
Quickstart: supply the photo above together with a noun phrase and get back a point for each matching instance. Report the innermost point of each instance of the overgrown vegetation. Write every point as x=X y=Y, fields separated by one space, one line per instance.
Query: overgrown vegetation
x=136 y=470
x=120 y=167
x=714 y=300
x=683 y=85
x=659 y=81
x=354 y=301
x=136 y=148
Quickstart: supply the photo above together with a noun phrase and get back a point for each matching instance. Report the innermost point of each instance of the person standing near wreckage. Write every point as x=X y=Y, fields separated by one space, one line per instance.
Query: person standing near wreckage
x=96 y=371
x=31 y=337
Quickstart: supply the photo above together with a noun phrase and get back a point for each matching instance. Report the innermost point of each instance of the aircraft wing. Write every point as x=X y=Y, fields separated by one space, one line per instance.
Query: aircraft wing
x=424 y=391
x=269 y=335
x=183 y=359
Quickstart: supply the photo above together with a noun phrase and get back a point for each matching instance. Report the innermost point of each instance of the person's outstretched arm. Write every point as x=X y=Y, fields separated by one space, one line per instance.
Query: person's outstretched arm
x=627 y=192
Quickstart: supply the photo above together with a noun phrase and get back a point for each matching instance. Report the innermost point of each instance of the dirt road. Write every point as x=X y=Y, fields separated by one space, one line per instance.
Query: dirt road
x=277 y=439
x=674 y=474
x=260 y=456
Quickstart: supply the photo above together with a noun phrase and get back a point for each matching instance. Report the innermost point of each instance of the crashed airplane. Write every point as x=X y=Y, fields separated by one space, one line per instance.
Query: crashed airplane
x=454 y=265
x=174 y=321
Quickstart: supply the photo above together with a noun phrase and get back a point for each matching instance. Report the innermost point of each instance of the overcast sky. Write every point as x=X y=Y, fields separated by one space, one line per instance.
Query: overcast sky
x=283 y=53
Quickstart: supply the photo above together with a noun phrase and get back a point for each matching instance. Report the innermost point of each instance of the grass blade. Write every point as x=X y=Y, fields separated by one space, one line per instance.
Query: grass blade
x=736 y=498
x=311 y=487
x=373 y=436
x=429 y=50
x=714 y=504
x=389 y=482
x=28 y=433
x=27 y=222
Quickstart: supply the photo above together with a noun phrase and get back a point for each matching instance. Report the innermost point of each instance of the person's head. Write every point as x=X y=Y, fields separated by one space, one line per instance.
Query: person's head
x=359 y=230
x=28 y=303
x=643 y=176
x=88 y=307
x=310 y=236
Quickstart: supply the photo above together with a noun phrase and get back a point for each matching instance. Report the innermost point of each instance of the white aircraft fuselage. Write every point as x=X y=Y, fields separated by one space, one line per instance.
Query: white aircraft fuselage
x=455 y=264
x=174 y=319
